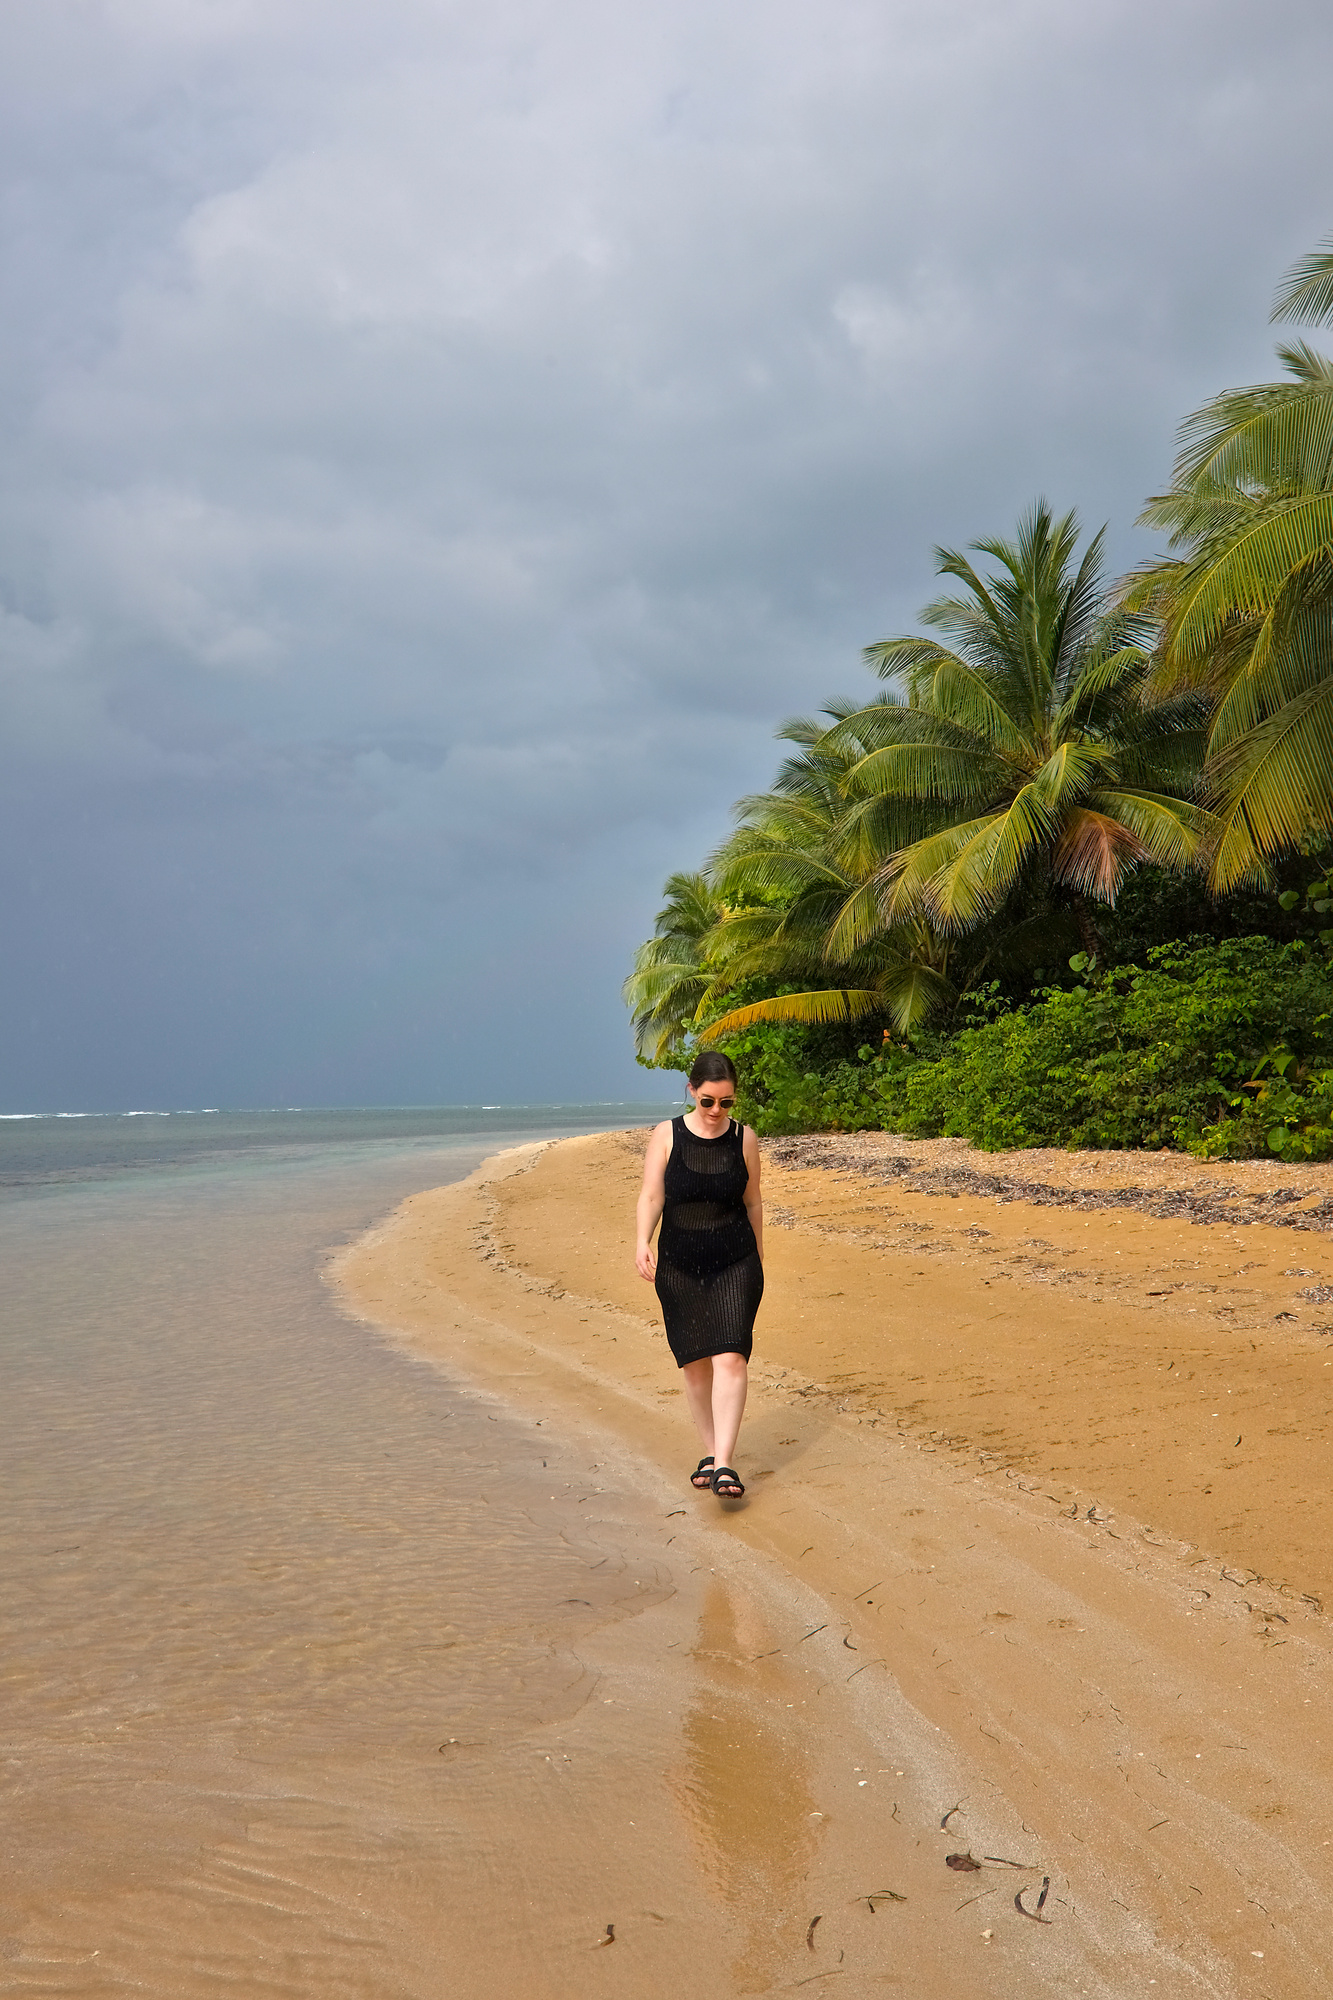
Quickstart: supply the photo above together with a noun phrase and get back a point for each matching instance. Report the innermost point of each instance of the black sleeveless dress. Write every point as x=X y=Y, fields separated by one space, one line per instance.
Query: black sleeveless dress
x=709 y=1277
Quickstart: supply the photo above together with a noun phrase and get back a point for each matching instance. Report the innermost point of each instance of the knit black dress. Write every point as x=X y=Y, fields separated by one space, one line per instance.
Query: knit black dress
x=709 y=1277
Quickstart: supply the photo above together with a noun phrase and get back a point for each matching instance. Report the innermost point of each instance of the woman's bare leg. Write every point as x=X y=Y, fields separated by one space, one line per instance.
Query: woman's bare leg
x=731 y=1379
x=697 y=1377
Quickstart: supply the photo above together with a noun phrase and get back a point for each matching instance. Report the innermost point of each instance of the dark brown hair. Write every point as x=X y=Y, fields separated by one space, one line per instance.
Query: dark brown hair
x=711 y=1066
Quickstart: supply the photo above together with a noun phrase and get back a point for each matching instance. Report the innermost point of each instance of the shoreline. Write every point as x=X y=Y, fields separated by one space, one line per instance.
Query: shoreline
x=966 y=1441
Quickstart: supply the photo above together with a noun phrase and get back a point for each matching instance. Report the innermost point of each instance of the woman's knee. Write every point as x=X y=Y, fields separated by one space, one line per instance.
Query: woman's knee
x=730 y=1367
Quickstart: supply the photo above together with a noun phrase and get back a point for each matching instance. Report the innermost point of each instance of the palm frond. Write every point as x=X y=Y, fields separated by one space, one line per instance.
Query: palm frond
x=1248 y=578
x=858 y=921
x=775 y=872
x=961 y=694
x=913 y=993
x=906 y=994
x=826 y=1005
x=689 y=909
x=1094 y=853
x=1272 y=785
x=1306 y=293
x=1237 y=861
x=1077 y=618
x=869 y=829
x=1117 y=672
x=1066 y=775
x=1173 y=833
x=671 y=977
x=1291 y=651
x=902 y=658
x=986 y=866
x=924 y=771
x=952 y=562
x=663 y=1006
x=861 y=730
x=1270 y=435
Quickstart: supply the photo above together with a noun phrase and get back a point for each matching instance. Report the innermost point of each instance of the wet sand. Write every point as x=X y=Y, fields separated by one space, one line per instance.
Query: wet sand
x=1038 y=1528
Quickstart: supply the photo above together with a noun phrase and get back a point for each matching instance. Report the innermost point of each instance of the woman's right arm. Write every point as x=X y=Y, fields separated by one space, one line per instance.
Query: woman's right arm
x=652 y=1199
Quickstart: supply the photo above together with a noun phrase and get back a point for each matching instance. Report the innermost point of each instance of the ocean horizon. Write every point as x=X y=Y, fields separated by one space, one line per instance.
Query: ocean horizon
x=46 y=1149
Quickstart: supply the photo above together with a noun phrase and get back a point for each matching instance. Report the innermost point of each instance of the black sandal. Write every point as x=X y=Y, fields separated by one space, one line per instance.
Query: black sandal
x=699 y=1479
x=726 y=1484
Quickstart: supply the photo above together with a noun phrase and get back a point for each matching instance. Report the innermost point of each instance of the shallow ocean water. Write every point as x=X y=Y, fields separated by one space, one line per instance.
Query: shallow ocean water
x=265 y=1575
x=323 y=1673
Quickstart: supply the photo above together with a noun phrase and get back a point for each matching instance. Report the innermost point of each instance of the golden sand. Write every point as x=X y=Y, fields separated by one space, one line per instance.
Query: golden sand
x=1047 y=1437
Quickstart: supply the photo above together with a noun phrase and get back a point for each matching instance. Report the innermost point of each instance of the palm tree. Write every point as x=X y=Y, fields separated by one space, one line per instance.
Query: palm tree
x=1246 y=606
x=800 y=854
x=1030 y=737
x=672 y=978
x=1022 y=776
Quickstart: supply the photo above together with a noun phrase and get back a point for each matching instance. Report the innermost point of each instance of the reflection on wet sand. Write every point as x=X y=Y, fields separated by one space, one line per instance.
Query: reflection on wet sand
x=1006 y=1664
x=744 y=1784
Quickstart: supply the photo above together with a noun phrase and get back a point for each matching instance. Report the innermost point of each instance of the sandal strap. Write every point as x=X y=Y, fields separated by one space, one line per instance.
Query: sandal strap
x=725 y=1475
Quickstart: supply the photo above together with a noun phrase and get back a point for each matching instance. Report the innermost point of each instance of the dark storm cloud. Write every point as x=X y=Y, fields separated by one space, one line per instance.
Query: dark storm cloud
x=441 y=443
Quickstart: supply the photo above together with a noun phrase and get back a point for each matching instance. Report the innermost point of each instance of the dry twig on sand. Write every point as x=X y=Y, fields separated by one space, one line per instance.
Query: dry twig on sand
x=1035 y=1916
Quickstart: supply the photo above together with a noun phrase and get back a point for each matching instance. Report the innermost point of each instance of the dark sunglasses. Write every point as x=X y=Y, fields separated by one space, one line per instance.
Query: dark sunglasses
x=707 y=1103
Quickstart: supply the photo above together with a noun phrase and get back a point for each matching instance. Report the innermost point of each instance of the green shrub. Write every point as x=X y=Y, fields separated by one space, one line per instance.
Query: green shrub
x=797 y=1079
x=1222 y=1049
x=1219 y=1049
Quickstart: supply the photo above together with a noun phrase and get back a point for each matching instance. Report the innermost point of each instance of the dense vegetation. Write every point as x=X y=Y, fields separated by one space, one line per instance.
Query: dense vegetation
x=1063 y=880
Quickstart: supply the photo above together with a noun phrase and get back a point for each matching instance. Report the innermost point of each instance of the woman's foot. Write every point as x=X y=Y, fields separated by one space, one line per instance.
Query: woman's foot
x=702 y=1476
x=726 y=1484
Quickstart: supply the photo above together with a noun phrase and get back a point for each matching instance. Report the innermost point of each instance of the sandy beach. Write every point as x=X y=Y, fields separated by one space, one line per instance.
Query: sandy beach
x=1031 y=1572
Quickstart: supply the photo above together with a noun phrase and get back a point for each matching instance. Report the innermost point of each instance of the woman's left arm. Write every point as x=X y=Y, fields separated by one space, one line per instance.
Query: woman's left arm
x=754 y=1200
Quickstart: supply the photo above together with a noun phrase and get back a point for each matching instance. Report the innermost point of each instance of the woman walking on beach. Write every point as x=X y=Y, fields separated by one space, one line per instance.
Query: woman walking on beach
x=701 y=1181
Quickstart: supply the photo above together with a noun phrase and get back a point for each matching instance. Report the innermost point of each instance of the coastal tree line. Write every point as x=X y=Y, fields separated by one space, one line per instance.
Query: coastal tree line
x=1062 y=880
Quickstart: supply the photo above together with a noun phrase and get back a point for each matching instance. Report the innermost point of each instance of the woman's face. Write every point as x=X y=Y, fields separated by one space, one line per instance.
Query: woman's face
x=714 y=1102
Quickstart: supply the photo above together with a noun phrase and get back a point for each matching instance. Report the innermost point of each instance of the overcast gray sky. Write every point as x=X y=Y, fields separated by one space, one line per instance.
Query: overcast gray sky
x=441 y=443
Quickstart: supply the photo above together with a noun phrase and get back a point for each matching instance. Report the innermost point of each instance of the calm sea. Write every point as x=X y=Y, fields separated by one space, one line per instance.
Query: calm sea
x=38 y=1151
x=259 y=1565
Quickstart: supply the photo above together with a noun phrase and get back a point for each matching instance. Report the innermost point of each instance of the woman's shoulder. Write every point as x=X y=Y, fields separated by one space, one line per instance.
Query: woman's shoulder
x=658 y=1151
